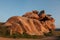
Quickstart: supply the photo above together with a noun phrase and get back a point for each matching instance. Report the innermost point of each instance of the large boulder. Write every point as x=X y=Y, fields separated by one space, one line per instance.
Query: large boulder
x=30 y=23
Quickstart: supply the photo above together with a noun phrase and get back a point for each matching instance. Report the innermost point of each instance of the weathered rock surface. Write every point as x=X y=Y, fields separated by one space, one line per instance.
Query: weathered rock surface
x=31 y=23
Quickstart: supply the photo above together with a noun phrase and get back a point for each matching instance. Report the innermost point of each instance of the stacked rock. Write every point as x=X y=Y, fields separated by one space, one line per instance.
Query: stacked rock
x=32 y=23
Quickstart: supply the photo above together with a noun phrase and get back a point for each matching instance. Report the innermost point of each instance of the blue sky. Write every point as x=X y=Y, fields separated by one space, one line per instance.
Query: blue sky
x=10 y=8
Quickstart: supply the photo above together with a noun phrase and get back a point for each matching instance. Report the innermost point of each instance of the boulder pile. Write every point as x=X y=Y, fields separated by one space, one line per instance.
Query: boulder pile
x=32 y=23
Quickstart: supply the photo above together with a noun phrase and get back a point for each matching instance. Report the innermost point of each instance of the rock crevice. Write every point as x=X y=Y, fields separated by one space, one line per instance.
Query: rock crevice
x=32 y=23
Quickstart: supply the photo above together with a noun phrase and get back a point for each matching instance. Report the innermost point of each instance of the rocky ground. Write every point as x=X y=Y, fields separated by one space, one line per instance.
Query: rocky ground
x=47 y=38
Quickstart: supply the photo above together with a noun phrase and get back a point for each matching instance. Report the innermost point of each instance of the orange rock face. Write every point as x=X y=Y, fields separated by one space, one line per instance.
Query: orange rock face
x=30 y=23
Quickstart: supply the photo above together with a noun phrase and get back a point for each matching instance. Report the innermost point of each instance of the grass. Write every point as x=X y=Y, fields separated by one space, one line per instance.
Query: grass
x=56 y=33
